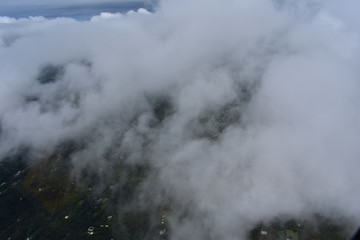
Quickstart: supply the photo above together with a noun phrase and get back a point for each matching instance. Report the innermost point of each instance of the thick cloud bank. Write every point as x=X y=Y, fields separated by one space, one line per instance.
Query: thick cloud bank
x=244 y=111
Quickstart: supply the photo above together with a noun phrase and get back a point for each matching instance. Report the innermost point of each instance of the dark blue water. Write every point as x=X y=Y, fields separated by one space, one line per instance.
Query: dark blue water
x=80 y=12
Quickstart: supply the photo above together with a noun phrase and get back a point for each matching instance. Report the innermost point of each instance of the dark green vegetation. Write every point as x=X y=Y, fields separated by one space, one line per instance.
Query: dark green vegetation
x=50 y=74
x=40 y=201
x=319 y=228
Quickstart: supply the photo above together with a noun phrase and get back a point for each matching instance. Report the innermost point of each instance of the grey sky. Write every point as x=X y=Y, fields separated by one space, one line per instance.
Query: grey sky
x=75 y=9
x=51 y=2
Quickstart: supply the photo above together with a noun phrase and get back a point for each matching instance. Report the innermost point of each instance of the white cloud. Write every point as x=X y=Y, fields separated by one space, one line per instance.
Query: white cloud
x=259 y=111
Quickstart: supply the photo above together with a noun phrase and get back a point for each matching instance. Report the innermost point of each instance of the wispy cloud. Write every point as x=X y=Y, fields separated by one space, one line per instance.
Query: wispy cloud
x=243 y=111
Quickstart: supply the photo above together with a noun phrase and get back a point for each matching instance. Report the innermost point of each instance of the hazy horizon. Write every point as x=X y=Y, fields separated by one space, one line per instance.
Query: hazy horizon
x=82 y=10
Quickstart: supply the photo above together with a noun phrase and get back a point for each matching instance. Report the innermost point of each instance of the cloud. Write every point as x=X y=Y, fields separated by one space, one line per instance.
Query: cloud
x=244 y=111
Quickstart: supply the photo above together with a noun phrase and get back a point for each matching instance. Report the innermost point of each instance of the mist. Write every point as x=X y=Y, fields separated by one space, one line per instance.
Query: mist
x=243 y=111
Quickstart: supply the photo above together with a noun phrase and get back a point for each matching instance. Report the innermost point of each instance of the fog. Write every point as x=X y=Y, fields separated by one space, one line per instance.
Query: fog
x=244 y=111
